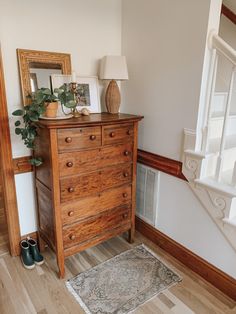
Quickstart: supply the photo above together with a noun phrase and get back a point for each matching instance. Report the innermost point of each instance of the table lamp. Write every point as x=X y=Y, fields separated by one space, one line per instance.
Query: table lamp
x=113 y=68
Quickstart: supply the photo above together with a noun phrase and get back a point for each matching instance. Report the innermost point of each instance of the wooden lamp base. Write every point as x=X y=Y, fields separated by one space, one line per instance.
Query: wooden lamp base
x=112 y=97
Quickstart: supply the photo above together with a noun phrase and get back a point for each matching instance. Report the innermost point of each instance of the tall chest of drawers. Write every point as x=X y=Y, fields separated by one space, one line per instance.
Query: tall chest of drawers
x=87 y=183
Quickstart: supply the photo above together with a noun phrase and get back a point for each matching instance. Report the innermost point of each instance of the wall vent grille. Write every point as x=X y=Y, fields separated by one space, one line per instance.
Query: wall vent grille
x=147 y=192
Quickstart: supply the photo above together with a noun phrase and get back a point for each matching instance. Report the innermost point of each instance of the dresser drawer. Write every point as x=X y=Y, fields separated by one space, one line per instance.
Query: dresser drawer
x=84 y=161
x=95 y=205
x=80 y=138
x=94 y=182
x=117 y=133
x=89 y=229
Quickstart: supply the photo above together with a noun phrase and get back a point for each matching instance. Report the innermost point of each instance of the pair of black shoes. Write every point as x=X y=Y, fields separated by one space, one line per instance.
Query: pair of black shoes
x=30 y=253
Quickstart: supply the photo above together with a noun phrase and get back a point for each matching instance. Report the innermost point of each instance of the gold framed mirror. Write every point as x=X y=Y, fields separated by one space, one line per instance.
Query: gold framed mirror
x=36 y=67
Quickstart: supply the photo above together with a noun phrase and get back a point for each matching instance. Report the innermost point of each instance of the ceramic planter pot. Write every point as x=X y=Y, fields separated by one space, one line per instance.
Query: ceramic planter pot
x=51 y=109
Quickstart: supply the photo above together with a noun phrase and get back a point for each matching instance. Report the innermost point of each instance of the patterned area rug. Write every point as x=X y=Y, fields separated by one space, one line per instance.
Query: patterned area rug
x=121 y=284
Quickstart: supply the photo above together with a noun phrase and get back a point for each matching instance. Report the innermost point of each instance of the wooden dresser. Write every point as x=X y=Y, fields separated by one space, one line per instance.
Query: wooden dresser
x=86 y=185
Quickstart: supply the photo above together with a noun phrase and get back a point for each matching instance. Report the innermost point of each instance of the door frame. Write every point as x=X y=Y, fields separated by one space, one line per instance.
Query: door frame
x=7 y=167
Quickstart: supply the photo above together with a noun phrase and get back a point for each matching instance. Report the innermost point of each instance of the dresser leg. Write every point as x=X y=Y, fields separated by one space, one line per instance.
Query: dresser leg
x=61 y=266
x=131 y=235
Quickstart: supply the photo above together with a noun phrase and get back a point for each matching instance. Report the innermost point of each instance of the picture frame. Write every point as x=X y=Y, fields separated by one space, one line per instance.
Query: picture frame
x=88 y=92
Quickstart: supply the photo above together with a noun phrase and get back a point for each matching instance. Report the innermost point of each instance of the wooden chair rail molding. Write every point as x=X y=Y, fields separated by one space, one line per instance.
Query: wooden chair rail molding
x=228 y=13
x=210 y=273
x=22 y=165
x=164 y=164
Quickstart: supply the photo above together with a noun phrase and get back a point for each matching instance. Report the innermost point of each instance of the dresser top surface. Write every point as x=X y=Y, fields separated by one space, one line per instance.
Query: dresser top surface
x=92 y=119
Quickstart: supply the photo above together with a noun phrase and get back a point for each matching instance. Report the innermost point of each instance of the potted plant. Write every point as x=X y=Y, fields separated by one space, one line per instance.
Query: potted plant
x=51 y=104
x=25 y=127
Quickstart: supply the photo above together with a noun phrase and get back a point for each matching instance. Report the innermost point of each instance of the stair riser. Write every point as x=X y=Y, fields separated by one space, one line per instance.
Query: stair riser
x=209 y=163
x=216 y=127
x=219 y=101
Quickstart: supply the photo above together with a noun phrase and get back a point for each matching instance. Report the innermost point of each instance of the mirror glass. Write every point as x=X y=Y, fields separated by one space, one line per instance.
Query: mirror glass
x=40 y=74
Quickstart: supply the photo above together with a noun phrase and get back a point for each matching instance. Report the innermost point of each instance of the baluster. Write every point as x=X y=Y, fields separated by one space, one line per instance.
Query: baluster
x=209 y=99
x=225 y=126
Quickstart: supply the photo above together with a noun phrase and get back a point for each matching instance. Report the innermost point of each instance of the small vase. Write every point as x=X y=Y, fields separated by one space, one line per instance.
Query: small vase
x=51 y=109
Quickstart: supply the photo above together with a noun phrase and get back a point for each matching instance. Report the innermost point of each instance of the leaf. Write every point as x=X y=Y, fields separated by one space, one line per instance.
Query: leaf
x=17 y=123
x=17 y=131
x=36 y=161
x=71 y=104
x=18 y=112
x=58 y=91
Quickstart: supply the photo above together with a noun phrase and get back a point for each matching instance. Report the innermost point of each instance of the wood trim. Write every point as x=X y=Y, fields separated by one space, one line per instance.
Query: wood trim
x=210 y=273
x=25 y=57
x=22 y=165
x=228 y=13
x=134 y=179
x=7 y=171
x=161 y=163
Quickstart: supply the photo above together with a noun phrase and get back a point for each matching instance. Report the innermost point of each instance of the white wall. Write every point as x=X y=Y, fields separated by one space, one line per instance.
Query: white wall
x=164 y=42
x=165 y=45
x=183 y=219
x=87 y=30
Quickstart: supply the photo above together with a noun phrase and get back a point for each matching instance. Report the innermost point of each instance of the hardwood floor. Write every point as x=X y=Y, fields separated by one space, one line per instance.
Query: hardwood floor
x=3 y=226
x=40 y=291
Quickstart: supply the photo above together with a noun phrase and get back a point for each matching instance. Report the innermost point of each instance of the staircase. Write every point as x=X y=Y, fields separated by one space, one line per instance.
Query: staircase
x=210 y=166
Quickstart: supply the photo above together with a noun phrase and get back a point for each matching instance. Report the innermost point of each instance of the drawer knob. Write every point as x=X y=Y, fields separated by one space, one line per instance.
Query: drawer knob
x=128 y=132
x=72 y=237
x=68 y=139
x=112 y=134
x=92 y=137
x=125 y=195
x=71 y=213
x=126 y=153
x=125 y=174
x=125 y=215
x=71 y=190
x=69 y=164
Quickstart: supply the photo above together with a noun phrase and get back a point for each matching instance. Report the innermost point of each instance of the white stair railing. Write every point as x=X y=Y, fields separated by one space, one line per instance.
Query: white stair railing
x=225 y=125
x=219 y=48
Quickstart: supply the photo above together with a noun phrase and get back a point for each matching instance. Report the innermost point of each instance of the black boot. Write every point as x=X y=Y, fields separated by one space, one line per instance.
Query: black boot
x=26 y=257
x=34 y=251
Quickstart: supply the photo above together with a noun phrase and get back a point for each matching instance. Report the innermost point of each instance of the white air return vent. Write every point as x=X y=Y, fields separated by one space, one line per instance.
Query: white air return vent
x=147 y=192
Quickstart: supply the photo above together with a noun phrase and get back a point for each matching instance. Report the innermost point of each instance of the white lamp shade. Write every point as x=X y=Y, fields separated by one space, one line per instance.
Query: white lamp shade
x=113 y=68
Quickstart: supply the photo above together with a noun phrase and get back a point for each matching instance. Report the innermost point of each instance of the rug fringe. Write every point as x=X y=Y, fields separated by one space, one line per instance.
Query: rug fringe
x=77 y=297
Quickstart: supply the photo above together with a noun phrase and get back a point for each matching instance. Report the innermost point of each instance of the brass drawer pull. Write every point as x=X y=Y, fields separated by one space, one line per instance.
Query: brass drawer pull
x=70 y=213
x=125 y=195
x=112 y=134
x=72 y=237
x=128 y=132
x=92 y=137
x=125 y=215
x=125 y=174
x=71 y=190
x=126 y=153
x=70 y=164
x=68 y=139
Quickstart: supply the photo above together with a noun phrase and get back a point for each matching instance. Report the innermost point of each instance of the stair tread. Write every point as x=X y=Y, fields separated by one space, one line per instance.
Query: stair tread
x=230 y=221
x=218 y=186
x=220 y=114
